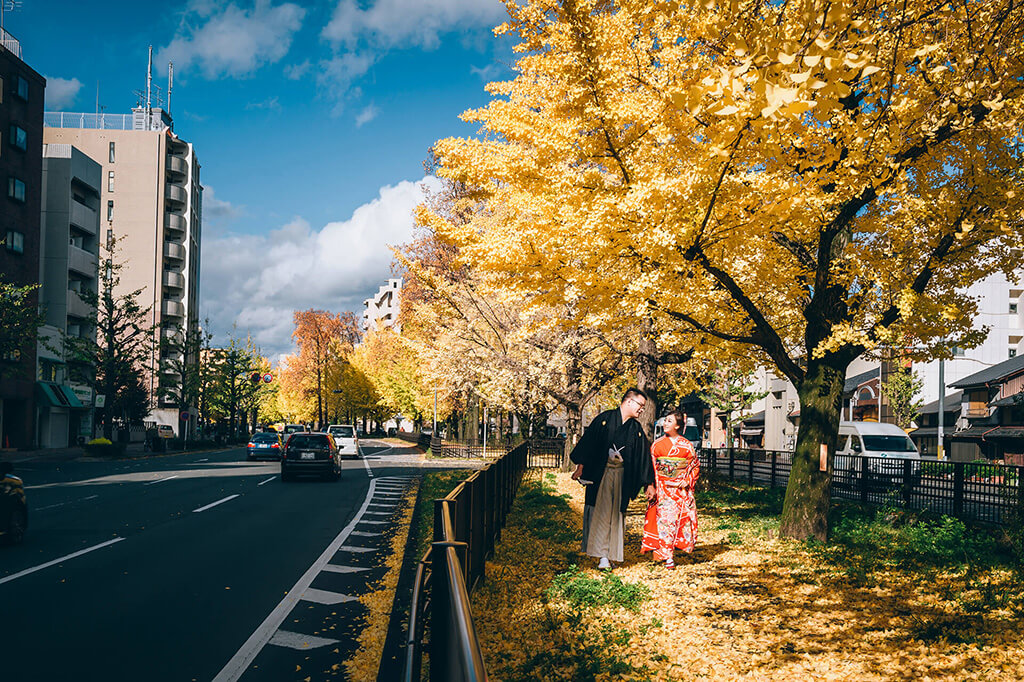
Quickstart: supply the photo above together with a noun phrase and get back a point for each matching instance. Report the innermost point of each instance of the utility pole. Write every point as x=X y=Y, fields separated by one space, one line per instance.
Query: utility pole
x=940 y=450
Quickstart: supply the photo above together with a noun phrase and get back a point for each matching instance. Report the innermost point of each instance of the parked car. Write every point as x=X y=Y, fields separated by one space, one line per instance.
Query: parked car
x=885 y=445
x=264 y=445
x=310 y=453
x=165 y=431
x=13 y=506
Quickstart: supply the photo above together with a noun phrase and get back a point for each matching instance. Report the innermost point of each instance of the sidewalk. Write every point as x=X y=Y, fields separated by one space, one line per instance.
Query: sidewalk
x=55 y=454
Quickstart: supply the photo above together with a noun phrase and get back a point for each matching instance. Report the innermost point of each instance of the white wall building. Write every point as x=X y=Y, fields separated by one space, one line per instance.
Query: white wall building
x=382 y=310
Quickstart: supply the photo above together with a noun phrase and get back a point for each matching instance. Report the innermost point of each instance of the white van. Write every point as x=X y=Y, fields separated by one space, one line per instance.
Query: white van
x=345 y=438
x=886 y=446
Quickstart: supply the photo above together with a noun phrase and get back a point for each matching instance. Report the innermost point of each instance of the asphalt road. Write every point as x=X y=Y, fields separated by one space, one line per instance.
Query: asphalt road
x=193 y=567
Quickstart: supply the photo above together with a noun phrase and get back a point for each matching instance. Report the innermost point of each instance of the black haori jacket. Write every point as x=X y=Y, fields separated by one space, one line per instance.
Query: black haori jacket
x=592 y=453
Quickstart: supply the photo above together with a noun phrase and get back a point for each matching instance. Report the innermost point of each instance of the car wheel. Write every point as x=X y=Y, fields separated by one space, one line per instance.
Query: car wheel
x=16 y=526
x=285 y=476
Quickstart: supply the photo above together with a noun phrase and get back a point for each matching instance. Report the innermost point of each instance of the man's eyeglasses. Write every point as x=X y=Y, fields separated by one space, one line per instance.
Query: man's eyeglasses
x=640 y=406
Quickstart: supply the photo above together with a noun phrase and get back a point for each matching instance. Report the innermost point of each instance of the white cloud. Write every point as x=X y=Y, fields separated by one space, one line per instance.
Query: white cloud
x=296 y=72
x=232 y=41
x=409 y=23
x=366 y=115
x=486 y=73
x=216 y=211
x=61 y=92
x=259 y=280
x=338 y=73
x=270 y=104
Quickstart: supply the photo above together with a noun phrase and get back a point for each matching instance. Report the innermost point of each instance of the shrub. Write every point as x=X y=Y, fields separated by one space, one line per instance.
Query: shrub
x=101 y=447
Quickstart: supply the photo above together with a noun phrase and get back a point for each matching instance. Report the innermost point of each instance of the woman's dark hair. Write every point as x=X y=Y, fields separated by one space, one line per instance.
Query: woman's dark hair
x=680 y=417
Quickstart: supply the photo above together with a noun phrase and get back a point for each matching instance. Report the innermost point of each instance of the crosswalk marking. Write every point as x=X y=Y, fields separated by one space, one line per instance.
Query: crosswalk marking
x=376 y=523
x=349 y=548
x=335 y=568
x=297 y=640
x=324 y=597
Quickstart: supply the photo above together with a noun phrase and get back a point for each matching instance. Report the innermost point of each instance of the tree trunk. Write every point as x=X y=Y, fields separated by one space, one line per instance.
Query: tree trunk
x=573 y=431
x=808 y=495
x=647 y=381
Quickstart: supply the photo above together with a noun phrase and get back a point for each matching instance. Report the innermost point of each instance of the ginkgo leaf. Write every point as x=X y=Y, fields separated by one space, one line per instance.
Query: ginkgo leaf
x=868 y=70
x=800 y=77
x=787 y=59
x=812 y=59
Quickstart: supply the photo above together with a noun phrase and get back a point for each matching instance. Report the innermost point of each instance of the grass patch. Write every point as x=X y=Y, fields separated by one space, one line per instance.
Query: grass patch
x=584 y=592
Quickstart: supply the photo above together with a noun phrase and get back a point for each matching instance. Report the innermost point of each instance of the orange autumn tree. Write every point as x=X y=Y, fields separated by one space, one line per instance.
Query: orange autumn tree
x=794 y=184
x=322 y=338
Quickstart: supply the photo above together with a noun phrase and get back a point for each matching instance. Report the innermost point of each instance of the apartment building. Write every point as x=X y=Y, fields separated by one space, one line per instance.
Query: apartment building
x=151 y=201
x=68 y=268
x=382 y=310
x=21 y=169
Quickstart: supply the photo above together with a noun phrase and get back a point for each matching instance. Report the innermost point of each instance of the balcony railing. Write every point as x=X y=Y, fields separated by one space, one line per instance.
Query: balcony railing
x=174 y=222
x=177 y=166
x=174 y=279
x=977 y=411
x=83 y=262
x=173 y=309
x=84 y=217
x=77 y=307
x=11 y=43
x=175 y=194
x=175 y=251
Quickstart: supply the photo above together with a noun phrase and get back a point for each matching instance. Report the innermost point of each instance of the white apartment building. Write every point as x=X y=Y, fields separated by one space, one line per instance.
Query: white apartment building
x=68 y=267
x=152 y=203
x=382 y=310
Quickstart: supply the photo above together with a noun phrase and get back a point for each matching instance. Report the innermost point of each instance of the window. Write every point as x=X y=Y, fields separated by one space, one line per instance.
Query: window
x=19 y=138
x=1013 y=308
x=110 y=211
x=111 y=152
x=110 y=181
x=16 y=189
x=22 y=88
x=958 y=352
x=1013 y=352
x=15 y=241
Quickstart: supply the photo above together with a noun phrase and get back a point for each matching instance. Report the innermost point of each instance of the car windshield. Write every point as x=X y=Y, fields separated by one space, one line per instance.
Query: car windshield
x=307 y=441
x=342 y=432
x=265 y=438
x=889 y=443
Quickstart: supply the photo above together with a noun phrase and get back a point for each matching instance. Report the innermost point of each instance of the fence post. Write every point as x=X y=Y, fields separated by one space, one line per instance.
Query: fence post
x=441 y=622
x=750 y=466
x=863 y=478
x=958 y=488
x=732 y=464
x=775 y=462
x=907 y=484
x=1020 y=493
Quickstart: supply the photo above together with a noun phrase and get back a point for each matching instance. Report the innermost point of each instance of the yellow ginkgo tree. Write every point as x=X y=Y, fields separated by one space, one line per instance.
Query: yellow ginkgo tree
x=793 y=183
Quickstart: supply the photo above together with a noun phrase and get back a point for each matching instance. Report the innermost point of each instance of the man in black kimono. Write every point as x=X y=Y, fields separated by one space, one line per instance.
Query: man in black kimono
x=613 y=460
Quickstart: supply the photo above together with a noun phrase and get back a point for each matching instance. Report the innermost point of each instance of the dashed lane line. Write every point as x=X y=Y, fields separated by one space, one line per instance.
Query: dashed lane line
x=266 y=481
x=214 y=504
x=161 y=480
x=269 y=628
x=299 y=641
x=62 y=559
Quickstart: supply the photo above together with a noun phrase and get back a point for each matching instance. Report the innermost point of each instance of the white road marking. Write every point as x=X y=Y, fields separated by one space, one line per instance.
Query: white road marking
x=365 y=535
x=379 y=513
x=214 y=504
x=350 y=548
x=335 y=568
x=366 y=463
x=266 y=631
x=61 y=504
x=297 y=640
x=60 y=560
x=91 y=497
x=267 y=481
x=324 y=597
x=389 y=505
x=376 y=523
x=161 y=480
x=203 y=460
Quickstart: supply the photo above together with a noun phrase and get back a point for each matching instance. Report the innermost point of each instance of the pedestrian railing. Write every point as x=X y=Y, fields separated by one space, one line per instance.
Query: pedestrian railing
x=971 y=491
x=543 y=453
x=467 y=525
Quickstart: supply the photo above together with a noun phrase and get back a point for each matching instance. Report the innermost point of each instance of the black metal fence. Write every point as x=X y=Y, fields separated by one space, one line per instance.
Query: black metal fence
x=543 y=453
x=972 y=491
x=467 y=525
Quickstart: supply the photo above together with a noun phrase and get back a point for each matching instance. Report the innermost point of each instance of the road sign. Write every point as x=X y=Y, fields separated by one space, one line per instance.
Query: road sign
x=267 y=378
x=184 y=415
x=101 y=400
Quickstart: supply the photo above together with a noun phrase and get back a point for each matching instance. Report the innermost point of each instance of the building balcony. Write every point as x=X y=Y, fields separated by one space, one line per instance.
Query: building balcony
x=83 y=262
x=172 y=335
x=173 y=309
x=175 y=194
x=173 y=280
x=77 y=307
x=84 y=217
x=174 y=251
x=176 y=166
x=975 y=411
x=174 y=223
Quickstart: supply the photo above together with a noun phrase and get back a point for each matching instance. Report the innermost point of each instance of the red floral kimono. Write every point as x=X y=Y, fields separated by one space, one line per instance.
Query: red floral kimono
x=672 y=522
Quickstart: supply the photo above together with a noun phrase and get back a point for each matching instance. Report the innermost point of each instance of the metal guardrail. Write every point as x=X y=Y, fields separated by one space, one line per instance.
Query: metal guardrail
x=67 y=119
x=467 y=525
x=972 y=491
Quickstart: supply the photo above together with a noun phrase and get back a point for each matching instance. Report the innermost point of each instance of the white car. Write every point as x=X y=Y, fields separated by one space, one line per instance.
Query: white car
x=346 y=439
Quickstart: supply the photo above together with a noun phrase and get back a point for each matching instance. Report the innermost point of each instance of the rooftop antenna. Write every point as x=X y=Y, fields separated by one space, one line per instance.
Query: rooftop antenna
x=170 y=85
x=8 y=6
x=149 y=91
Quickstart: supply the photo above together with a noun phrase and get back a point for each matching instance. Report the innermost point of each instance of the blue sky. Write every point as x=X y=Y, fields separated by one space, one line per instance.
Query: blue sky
x=311 y=122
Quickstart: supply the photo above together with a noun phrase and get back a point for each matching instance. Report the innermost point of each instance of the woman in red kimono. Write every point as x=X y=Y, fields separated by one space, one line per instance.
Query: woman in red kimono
x=671 y=521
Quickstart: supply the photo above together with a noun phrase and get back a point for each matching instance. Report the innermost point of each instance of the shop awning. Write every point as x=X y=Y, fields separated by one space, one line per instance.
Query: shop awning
x=57 y=395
